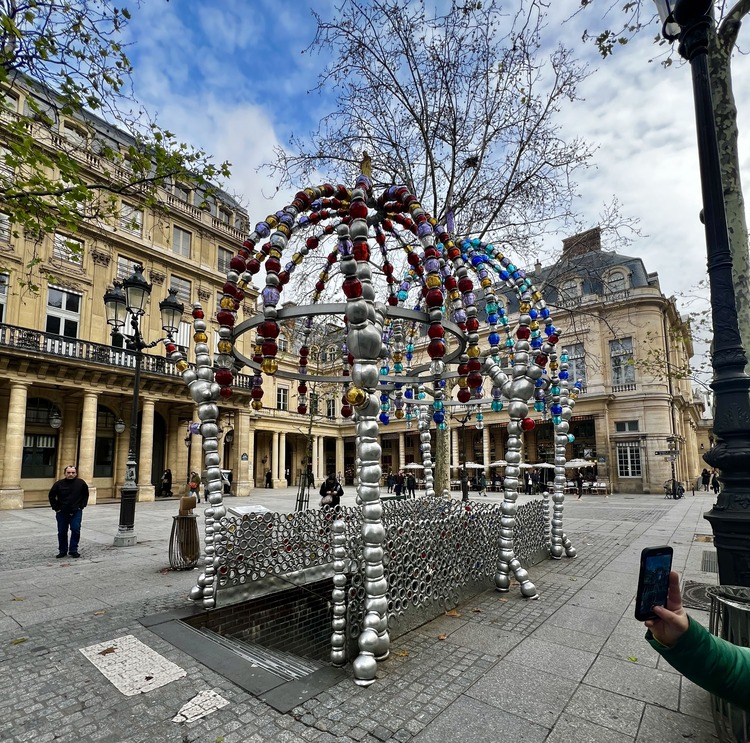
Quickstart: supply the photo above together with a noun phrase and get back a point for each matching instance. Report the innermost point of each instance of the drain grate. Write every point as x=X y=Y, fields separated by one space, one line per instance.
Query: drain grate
x=709 y=562
x=694 y=595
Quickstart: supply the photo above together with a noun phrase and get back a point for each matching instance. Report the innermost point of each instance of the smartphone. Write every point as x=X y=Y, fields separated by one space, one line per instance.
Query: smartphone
x=653 y=581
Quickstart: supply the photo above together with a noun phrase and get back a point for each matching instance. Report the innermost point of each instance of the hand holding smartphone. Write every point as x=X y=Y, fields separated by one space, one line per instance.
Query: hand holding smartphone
x=653 y=581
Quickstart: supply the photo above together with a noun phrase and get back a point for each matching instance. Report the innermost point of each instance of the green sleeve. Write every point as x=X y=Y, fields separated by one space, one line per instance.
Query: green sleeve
x=714 y=664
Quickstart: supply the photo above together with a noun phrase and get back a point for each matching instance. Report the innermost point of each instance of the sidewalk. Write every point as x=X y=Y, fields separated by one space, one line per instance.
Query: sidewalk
x=571 y=667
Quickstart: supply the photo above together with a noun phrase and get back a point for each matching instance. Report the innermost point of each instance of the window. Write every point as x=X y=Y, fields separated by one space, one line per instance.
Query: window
x=628 y=459
x=621 y=357
x=282 y=398
x=616 y=282
x=330 y=408
x=569 y=289
x=6 y=159
x=225 y=257
x=75 y=135
x=39 y=455
x=182 y=240
x=225 y=215
x=183 y=288
x=182 y=192
x=576 y=364
x=124 y=267
x=131 y=219
x=282 y=342
x=183 y=336
x=67 y=249
x=4 y=279
x=4 y=227
x=63 y=312
x=625 y=426
x=104 y=449
x=9 y=101
x=314 y=400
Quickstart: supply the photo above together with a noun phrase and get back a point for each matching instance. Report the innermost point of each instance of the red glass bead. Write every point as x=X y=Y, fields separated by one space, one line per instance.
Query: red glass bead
x=541 y=360
x=303 y=197
x=434 y=298
x=225 y=318
x=332 y=258
x=454 y=253
x=553 y=338
x=436 y=331
x=388 y=269
x=225 y=392
x=346 y=411
x=302 y=389
x=436 y=349
x=256 y=393
x=249 y=244
x=392 y=300
x=358 y=210
x=475 y=380
x=273 y=265
x=301 y=409
x=472 y=324
x=303 y=361
x=284 y=278
x=253 y=265
x=312 y=242
x=465 y=285
x=269 y=329
x=265 y=248
x=319 y=286
x=237 y=264
x=171 y=348
x=463 y=369
x=304 y=351
x=270 y=349
x=450 y=283
x=198 y=314
x=361 y=251
x=352 y=287
x=223 y=376
x=474 y=365
x=527 y=424
x=464 y=395
x=413 y=259
x=523 y=332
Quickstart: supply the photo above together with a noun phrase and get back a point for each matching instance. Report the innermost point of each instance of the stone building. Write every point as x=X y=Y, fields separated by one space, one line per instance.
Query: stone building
x=67 y=386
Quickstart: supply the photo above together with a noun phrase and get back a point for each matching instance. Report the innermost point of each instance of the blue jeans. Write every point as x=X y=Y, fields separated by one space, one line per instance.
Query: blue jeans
x=67 y=521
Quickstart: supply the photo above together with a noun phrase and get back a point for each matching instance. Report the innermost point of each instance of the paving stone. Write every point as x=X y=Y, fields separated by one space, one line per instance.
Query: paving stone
x=661 y=725
x=606 y=709
x=546 y=656
x=469 y=719
x=570 y=728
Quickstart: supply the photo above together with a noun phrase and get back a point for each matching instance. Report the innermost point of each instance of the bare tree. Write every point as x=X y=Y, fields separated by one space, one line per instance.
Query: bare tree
x=460 y=107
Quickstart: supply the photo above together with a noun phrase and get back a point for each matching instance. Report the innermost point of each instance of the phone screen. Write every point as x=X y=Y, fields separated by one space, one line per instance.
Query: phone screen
x=653 y=583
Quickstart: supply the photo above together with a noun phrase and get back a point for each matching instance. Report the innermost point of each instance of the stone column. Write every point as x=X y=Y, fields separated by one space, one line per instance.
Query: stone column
x=454 y=448
x=486 y=448
x=88 y=442
x=146 y=490
x=244 y=440
x=11 y=493
x=275 y=458
x=67 y=443
x=401 y=450
x=282 y=461
x=121 y=457
x=340 y=456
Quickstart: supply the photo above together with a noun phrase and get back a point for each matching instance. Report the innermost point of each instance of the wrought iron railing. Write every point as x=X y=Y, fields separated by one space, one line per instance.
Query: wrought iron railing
x=49 y=344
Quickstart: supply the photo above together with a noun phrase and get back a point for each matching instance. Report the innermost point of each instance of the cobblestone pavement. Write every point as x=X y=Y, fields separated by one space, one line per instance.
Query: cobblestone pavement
x=571 y=666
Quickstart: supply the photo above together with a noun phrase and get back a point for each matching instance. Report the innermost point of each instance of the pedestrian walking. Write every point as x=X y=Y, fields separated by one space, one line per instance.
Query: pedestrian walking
x=715 y=484
x=166 y=484
x=705 y=479
x=579 y=483
x=534 y=481
x=390 y=481
x=482 y=485
x=194 y=485
x=528 y=482
x=411 y=486
x=68 y=497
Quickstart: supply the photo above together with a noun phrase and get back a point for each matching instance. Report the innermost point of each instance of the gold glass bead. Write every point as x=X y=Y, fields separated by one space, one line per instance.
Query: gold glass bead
x=224 y=346
x=182 y=365
x=272 y=220
x=227 y=303
x=355 y=396
x=473 y=352
x=524 y=307
x=486 y=283
x=257 y=405
x=463 y=382
x=200 y=337
x=297 y=258
x=433 y=281
x=270 y=366
x=399 y=413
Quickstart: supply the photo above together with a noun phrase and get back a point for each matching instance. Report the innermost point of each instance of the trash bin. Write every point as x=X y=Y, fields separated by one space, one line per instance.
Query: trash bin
x=184 y=544
x=730 y=619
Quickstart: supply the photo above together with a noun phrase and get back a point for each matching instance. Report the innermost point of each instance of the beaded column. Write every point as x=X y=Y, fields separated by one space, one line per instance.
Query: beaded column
x=364 y=340
x=338 y=595
x=425 y=443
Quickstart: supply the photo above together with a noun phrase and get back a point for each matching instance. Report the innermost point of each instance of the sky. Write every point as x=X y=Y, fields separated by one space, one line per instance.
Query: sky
x=233 y=78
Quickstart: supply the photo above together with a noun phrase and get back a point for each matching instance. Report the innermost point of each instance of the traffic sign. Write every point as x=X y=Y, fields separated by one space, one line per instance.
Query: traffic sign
x=670 y=453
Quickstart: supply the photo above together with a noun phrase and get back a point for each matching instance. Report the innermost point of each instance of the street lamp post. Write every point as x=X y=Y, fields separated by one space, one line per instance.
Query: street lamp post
x=690 y=22
x=121 y=302
x=464 y=475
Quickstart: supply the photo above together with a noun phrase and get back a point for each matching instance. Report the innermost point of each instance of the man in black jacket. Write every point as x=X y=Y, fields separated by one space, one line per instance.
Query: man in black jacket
x=68 y=497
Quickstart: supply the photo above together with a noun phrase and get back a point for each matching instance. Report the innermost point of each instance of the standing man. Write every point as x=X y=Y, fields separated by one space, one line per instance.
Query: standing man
x=411 y=485
x=68 y=497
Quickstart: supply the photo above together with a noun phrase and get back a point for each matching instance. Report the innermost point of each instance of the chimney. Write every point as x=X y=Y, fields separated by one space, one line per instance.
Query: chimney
x=583 y=242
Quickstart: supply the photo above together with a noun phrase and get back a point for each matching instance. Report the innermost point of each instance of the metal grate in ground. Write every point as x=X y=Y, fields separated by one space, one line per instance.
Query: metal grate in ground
x=709 y=562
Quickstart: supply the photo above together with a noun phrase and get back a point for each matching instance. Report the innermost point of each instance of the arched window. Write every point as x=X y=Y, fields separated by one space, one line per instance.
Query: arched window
x=569 y=289
x=616 y=282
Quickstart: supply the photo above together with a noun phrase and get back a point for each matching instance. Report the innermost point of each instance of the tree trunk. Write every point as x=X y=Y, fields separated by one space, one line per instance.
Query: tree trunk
x=725 y=114
x=442 y=457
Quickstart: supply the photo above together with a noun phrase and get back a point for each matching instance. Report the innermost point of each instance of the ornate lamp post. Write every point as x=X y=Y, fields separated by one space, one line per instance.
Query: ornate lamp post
x=690 y=22
x=121 y=302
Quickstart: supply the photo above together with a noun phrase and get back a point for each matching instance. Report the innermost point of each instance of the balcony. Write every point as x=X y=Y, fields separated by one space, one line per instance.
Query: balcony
x=57 y=347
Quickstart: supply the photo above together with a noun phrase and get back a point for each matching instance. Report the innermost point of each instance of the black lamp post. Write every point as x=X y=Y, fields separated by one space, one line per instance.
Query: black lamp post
x=464 y=475
x=690 y=22
x=119 y=305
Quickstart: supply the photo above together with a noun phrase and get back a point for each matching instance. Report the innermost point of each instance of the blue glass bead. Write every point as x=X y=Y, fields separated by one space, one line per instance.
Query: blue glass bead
x=509 y=343
x=438 y=416
x=437 y=405
x=564 y=374
x=410 y=347
x=504 y=275
x=492 y=319
x=539 y=406
x=571 y=438
x=480 y=416
x=491 y=307
x=493 y=338
x=408 y=394
x=556 y=409
x=544 y=312
x=503 y=320
x=383 y=397
x=497 y=406
x=564 y=357
x=556 y=420
x=442 y=426
x=533 y=314
x=421 y=396
x=384 y=419
x=555 y=390
x=384 y=370
x=536 y=342
x=398 y=367
x=403 y=296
